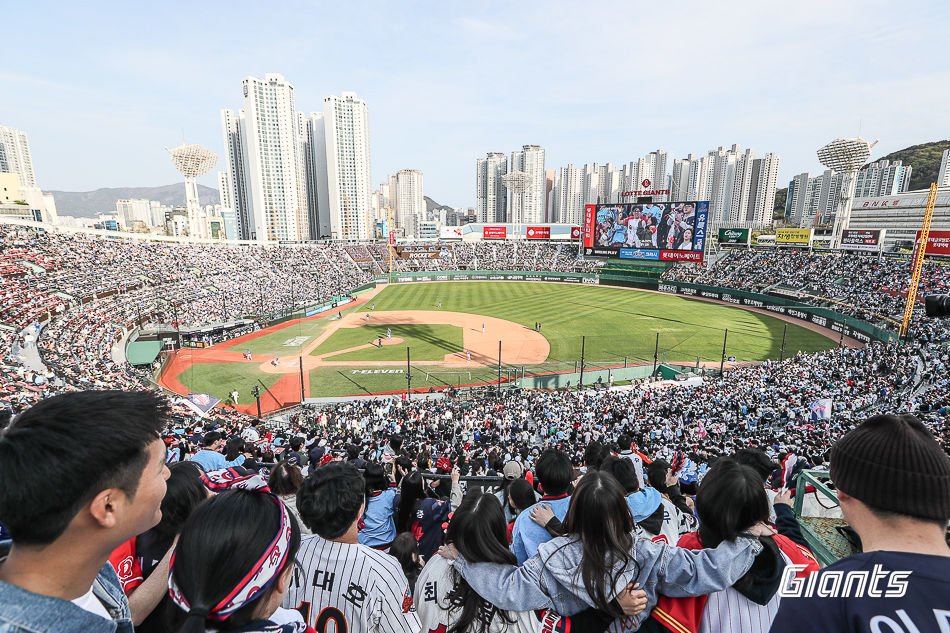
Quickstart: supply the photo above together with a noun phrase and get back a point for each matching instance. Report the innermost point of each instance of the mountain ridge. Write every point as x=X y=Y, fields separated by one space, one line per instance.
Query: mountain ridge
x=90 y=204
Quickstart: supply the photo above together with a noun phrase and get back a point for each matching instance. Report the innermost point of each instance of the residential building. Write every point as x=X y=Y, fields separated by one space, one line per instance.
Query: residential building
x=15 y=155
x=491 y=196
x=528 y=206
x=267 y=170
x=134 y=210
x=314 y=150
x=813 y=201
x=348 y=166
x=882 y=178
x=570 y=195
x=943 y=176
x=411 y=202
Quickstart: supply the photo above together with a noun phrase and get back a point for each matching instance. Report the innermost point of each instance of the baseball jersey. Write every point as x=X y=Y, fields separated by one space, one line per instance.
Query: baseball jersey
x=341 y=587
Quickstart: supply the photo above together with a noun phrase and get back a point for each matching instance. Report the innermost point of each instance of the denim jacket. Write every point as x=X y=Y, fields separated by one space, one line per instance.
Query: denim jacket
x=551 y=578
x=23 y=611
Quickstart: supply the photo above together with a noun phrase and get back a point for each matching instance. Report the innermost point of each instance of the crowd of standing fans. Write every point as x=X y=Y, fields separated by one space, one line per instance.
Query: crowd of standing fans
x=535 y=512
x=656 y=506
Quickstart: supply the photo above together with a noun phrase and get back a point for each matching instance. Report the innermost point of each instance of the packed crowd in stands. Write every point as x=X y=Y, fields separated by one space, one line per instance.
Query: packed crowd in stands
x=866 y=287
x=513 y=255
x=532 y=511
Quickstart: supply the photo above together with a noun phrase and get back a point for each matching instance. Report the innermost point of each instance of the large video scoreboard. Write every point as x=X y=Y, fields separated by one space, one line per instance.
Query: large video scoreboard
x=666 y=231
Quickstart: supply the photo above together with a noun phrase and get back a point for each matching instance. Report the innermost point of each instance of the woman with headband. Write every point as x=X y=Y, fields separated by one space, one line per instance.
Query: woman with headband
x=235 y=558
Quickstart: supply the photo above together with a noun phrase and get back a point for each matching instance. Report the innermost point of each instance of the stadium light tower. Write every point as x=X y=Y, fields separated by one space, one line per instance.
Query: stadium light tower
x=192 y=161
x=845 y=156
x=517 y=182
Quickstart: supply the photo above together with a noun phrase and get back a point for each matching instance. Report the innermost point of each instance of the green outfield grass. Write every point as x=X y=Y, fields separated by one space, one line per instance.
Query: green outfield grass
x=428 y=342
x=616 y=322
x=619 y=324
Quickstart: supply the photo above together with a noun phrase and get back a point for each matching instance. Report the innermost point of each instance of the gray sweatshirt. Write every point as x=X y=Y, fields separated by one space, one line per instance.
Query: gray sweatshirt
x=551 y=578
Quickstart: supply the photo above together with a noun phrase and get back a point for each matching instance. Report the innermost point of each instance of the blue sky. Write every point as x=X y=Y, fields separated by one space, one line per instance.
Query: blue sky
x=101 y=88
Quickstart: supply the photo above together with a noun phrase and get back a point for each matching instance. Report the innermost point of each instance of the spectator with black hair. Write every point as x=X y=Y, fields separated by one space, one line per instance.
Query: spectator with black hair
x=405 y=549
x=284 y=481
x=209 y=457
x=422 y=513
x=153 y=549
x=893 y=483
x=379 y=525
x=296 y=443
x=519 y=496
x=625 y=445
x=80 y=474
x=355 y=586
x=234 y=561
x=555 y=475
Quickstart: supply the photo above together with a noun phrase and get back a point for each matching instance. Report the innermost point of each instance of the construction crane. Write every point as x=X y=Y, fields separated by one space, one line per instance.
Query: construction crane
x=920 y=250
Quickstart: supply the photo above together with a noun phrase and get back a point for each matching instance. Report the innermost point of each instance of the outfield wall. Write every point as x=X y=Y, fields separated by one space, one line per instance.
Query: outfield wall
x=488 y=275
x=823 y=317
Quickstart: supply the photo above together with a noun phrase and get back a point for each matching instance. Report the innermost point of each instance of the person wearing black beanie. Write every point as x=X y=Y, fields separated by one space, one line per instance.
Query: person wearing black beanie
x=893 y=483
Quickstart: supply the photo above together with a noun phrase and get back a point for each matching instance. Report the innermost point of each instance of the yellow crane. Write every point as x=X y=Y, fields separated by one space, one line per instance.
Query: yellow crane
x=920 y=250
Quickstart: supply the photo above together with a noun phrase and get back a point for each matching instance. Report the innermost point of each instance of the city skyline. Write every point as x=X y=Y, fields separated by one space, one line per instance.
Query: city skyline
x=435 y=110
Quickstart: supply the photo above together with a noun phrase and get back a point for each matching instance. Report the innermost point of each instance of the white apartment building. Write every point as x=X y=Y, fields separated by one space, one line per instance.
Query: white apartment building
x=15 y=155
x=314 y=150
x=813 y=201
x=882 y=178
x=411 y=203
x=761 y=199
x=263 y=141
x=491 y=196
x=134 y=210
x=528 y=207
x=570 y=195
x=943 y=176
x=348 y=166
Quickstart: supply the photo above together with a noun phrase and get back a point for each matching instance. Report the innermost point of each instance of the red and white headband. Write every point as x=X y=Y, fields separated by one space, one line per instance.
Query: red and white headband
x=264 y=571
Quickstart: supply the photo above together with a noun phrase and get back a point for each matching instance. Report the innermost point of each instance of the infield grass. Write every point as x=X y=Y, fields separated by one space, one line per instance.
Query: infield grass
x=428 y=342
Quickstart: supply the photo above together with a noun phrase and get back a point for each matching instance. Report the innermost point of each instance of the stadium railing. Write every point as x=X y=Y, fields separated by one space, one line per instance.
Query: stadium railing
x=826 y=538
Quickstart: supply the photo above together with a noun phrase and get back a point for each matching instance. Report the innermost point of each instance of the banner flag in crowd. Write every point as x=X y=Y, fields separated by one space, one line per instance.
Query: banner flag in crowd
x=200 y=403
x=821 y=409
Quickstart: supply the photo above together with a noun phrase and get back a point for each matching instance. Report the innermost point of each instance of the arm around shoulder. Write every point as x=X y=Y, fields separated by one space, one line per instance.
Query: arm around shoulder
x=506 y=586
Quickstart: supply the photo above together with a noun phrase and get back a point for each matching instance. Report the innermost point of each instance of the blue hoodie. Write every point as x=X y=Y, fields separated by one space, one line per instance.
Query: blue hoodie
x=643 y=503
x=527 y=535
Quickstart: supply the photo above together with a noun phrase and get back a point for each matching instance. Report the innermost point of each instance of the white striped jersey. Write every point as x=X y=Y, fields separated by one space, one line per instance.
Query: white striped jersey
x=344 y=588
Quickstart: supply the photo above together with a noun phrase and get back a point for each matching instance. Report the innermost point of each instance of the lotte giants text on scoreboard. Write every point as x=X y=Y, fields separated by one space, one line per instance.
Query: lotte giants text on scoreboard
x=666 y=231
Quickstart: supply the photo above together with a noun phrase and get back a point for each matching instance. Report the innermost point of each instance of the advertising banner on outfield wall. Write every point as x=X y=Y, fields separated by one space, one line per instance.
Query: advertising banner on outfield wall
x=450 y=233
x=733 y=237
x=793 y=237
x=538 y=232
x=938 y=242
x=740 y=299
x=502 y=276
x=575 y=232
x=857 y=240
x=494 y=232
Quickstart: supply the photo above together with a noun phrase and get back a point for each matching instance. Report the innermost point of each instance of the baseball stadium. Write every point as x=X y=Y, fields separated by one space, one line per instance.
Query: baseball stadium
x=463 y=334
